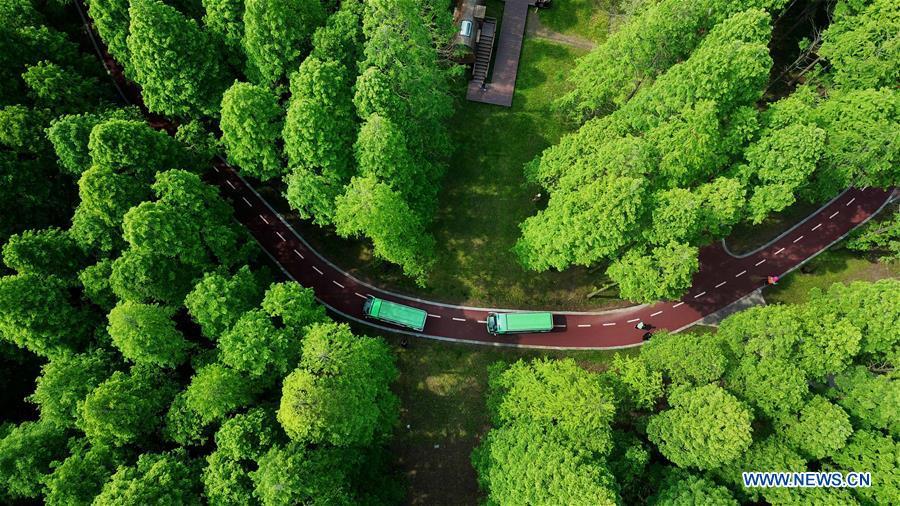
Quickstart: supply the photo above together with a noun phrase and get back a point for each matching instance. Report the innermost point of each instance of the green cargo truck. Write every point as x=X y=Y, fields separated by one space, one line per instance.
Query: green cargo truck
x=518 y=323
x=398 y=314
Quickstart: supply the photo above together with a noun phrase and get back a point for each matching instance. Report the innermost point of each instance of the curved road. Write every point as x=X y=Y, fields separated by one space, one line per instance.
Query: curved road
x=723 y=278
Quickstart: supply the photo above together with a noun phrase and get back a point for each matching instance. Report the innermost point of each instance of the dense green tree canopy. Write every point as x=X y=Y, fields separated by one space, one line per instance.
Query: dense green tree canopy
x=146 y=334
x=218 y=301
x=164 y=478
x=26 y=453
x=277 y=35
x=80 y=477
x=65 y=381
x=251 y=126
x=180 y=71
x=44 y=252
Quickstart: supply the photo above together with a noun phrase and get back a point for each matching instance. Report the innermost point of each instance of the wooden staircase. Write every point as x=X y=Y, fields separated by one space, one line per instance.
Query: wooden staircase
x=483 y=50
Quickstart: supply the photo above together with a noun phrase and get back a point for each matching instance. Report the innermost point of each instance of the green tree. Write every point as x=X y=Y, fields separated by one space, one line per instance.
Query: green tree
x=65 y=381
x=126 y=407
x=251 y=126
x=78 y=479
x=254 y=345
x=664 y=274
x=340 y=39
x=877 y=454
x=820 y=429
x=340 y=394
x=224 y=20
x=43 y=252
x=156 y=478
x=685 y=358
x=517 y=465
x=705 y=427
x=218 y=301
x=216 y=390
x=112 y=19
x=771 y=453
x=146 y=334
x=62 y=89
x=295 y=474
x=880 y=235
x=26 y=454
x=774 y=385
x=861 y=48
x=872 y=400
x=95 y=281
x=640 y=385
x=318 y=137
x=36 y=313
x=558 y=397
x=293 y=305
x=180 y=71
x=373 y=209
x=684 y=488
x=277 y=36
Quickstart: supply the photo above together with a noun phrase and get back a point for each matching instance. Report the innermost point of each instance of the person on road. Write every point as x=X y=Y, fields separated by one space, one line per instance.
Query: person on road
x=772 y=280
x=643 y=326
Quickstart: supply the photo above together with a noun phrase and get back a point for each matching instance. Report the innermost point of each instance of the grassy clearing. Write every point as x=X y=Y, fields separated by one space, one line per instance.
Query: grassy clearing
x=832 y=266
x=589 y=19
x=442 y=389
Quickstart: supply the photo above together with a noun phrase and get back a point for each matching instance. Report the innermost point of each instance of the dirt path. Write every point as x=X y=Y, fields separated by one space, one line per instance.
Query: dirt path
x=535 y=28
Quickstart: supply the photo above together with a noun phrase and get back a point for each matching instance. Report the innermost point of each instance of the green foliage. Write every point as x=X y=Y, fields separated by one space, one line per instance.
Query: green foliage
x=656 y=38
x=217 y=301
x=254 y=345
x=156 y=478
x=22 y=128
x=80 y=477
x=146 y=334
x=111 y=20
x=772 y=453
x=705 y=427
x=293 y=304
x=340 y=39
x=251 y=125
x=773 y=385
x=277 y=36
x=564 y=401
x=664 y=274
x=216 y=390
x=26 y=453
x=340 y=394
x=294 y=474
x=318 y=137
x=684 y=489
x=877 y=454
x=684 y=358
x=180 y=71
x=43 y=252
x=372 y=208
x=95 y=281
x=862 y=48
x=820 y=429
x=881 y=236
x=517 y=465
x=65 y=381
x=873 y=401
x=641 y=386
x=62 y=89
x=70 y=135
x=248 y=436
x=125 y=408
x=224 y=20
x=36 y=313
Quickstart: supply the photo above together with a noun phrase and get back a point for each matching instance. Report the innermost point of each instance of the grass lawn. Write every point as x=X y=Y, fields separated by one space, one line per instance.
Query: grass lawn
x=832 y=266
x=442 y=389
x=589 y=19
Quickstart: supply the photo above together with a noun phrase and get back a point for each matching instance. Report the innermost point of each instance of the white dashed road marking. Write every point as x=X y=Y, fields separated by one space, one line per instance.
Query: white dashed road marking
x=721 y=284
x=799 y=238
x=247 y=202
x=459 y=319
x=560 y=326
x=216 y=168
x=833 y=215
x=280 y=236
x=317 y=270
x=299 y=255
x=230 y=184
x=760 y=262
x=701 y=294
x=633 y=320
x=361 y=296
x=608 y=324
x=740 y=274
x=482 y=321
x=779 y=251
x=585 y=325
x=656 y=313
x=338 y=284
x=851 y=201
x=816 y=227
x=264 y=219
x=434 y=315
x=676 y=305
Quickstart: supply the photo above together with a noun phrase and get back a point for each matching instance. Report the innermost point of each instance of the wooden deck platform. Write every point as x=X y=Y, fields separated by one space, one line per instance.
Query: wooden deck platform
x=502 y=85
